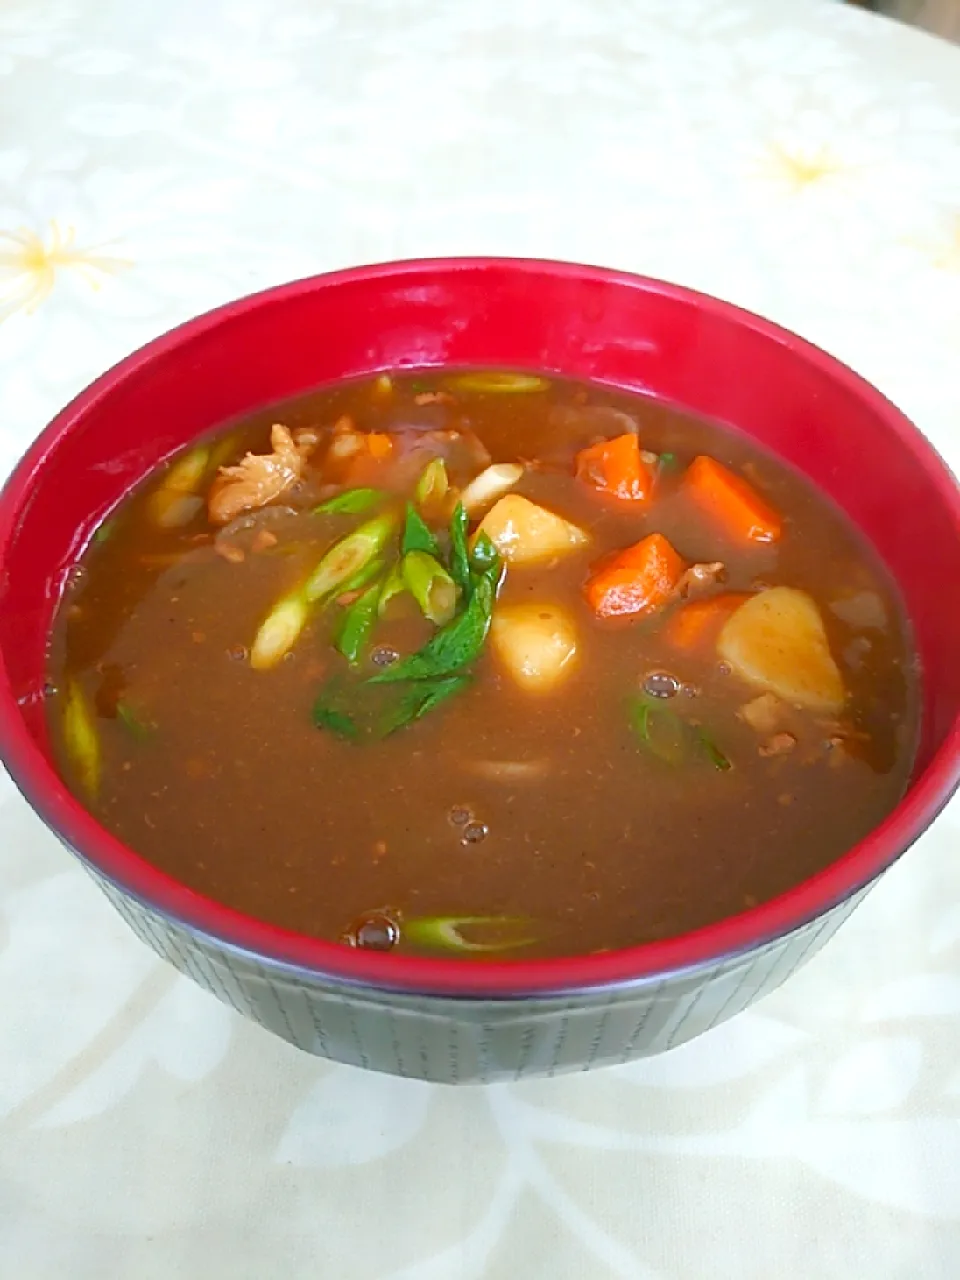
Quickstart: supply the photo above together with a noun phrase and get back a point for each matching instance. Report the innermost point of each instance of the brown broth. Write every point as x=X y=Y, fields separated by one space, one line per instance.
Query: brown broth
x=221 y=779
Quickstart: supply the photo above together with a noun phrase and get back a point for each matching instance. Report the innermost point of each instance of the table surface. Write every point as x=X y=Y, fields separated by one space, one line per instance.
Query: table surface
x=798 y=157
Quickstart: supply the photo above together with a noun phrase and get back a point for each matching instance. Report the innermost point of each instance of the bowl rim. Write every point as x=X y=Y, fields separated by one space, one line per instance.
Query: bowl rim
x=309 y=959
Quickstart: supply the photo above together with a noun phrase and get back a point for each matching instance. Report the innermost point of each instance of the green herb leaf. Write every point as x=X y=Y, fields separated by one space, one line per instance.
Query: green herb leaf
x=451 y=933
x=484 y=555
x=664 y=734
x=454 y=646
x=329 y=713
x=356 y=626
x=417 y=536
x=104 y=531
x=419 y=698
x=351 y=502
x=714 y=754
x=661 y=732
x=364 y=712
x=131 y=721
x=668 y=461
x=459 y=556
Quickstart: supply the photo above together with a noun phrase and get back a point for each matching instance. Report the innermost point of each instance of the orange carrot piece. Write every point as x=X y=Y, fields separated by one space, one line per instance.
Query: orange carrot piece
x=636 y=581
x=697 y=625
x=616 y=469
x=362 y=467
x=379 y=445
x=730 y=501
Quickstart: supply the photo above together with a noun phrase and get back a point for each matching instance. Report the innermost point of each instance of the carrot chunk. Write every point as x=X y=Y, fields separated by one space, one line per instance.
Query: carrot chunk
x=616 y=469
x=362 y=467
x=379 y=445
x=698 y=624
x=636 y=581
x=730 y=501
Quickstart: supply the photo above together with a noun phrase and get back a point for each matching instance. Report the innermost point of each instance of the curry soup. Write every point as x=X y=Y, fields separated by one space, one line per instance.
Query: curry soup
x=483 y=664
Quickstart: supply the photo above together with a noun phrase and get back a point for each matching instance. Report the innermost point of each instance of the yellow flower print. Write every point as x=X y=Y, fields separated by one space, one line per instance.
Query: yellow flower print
x=30 y=263
x=945 y=251
x=941 y=248
x=798 y=168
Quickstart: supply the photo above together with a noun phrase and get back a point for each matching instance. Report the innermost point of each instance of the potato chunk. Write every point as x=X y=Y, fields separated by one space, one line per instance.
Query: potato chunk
x=537 y=643
x=524 y=533
x=776 y=640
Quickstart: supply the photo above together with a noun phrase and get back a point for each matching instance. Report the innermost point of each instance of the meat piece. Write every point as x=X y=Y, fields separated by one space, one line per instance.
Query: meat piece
x=841 y=731
x=861 y=609
x=354 y=456
x=229 y=551
x=780 y=744
x=257 y=479
x=700 y=578
x=263 y=540
x=599 y=421
x=306 y=439
x=461 y=448
x=764 y=714
x=433 y=397
x=347 y=441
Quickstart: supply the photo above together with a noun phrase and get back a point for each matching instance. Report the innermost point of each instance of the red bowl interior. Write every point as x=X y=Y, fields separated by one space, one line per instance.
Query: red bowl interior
x=641 y=334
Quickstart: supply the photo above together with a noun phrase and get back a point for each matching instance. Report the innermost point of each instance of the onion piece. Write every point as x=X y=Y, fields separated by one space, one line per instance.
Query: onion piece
x=509 y=770
x=490 y=485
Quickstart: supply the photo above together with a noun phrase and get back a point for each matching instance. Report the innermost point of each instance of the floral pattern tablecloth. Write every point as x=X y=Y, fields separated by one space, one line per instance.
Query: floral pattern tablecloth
x=795 y=156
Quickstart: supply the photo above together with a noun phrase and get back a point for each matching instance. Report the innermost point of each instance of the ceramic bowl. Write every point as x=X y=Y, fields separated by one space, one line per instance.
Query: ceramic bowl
x=436 y=1019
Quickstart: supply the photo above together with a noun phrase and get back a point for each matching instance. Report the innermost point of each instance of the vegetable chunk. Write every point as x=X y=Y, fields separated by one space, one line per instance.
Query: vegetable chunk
x=730 y=502
x=489 y=485
x=777 y=641
x=697 y=625
x=616 y=469
x=524 y=533
x=636 y=581
x=536 y=643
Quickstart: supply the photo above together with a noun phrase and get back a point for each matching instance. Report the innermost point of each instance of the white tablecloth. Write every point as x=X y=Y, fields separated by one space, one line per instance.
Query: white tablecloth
x=800 y=158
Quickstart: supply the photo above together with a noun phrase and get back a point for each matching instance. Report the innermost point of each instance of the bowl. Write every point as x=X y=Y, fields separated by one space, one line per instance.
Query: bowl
x=445 y=1020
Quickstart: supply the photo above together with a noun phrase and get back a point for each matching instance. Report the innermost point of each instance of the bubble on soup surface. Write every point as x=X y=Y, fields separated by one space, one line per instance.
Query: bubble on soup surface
x=375 y=931
x=661 y=684
x=383 y=656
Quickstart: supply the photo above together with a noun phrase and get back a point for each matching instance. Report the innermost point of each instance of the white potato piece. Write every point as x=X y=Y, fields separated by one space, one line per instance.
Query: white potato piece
x=536 y=643
x=524 y=533
x=776 y=640
x=490 y=484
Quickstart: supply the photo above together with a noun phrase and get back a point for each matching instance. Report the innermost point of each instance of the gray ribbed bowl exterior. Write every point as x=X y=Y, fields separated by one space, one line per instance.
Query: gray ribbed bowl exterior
x=476 y=1041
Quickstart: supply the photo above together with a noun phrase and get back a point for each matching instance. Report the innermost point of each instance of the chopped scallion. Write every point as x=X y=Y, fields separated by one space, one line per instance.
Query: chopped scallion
x=493 y=380
x=431 y=586
x=453 y=933
x=351 y=502
x=81 y=738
